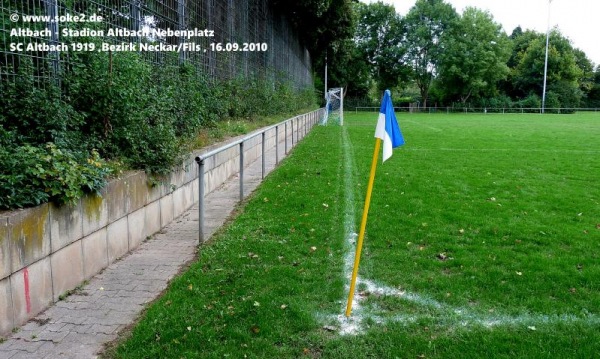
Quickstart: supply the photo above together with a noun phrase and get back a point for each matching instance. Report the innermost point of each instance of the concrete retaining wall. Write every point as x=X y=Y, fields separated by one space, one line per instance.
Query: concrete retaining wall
x=47 y=251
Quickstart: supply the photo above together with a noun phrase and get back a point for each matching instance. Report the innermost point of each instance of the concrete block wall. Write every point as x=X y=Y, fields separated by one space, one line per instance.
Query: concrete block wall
x=48 y=250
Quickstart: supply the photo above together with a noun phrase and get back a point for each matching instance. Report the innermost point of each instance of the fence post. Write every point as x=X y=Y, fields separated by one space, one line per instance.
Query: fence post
x=304 y=124
x=292 y=124
x=52 y=12
x=297 y=131
x=200 y=199
x=241 y=171
x=285 y=136
x=263 y=155
x=181 y=16
x=276 y=144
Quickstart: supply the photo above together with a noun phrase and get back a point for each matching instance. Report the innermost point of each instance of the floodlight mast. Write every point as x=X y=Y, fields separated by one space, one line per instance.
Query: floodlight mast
x=325 y=93
x=546 y=60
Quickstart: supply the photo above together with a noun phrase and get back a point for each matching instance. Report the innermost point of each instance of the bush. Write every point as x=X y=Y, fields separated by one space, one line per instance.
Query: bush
x=500 y=102
x=532 y=101
x=35 y=113
x=115 y=106
x=34 y=175
x=568 y=95
x=552 y=104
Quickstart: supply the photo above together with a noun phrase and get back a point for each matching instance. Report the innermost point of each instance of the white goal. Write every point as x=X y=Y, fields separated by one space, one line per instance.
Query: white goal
x=334 y=108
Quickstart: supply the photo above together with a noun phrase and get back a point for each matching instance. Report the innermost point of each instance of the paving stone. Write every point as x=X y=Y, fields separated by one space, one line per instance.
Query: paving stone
x=53 y=336
x=8 y=354
x=21 y=355
x=24 y=345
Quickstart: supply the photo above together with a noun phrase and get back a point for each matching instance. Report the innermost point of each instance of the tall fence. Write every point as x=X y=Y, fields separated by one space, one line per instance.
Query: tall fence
x=231 y=38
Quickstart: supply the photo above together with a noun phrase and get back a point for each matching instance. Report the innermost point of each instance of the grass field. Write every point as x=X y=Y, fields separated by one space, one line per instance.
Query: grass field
x=483 y=241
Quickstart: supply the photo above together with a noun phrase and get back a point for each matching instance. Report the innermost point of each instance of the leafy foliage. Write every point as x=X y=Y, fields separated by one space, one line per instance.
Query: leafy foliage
x=426 y=23
x=436 y=55
x=40 y=151
x=379 y=36
x=325 y=26
x=115 y=106
x=593 y=97
x=475 y=57
x=34 y=175
x=562 y=66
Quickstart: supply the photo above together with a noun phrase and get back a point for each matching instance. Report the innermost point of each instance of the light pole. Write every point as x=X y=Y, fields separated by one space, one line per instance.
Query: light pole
x=546 y=60
x=325 y=74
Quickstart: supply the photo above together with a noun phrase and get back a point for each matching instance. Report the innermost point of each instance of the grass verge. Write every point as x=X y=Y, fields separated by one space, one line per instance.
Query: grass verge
x=238 y=126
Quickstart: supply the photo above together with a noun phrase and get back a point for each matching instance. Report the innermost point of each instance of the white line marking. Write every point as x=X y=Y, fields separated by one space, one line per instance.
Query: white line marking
x=435 y=129
x=501 y=150
x=349 y=325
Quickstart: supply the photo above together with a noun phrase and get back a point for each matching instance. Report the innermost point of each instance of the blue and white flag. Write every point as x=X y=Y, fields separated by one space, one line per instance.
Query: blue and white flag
x=387 y=127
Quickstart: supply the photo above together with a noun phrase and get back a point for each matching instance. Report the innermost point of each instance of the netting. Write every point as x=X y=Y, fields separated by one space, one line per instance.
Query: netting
x=230 y=21
x=334 y=108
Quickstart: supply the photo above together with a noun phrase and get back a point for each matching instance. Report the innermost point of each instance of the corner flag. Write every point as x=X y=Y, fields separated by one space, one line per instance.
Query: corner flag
x=387 y=131
x=387 y=127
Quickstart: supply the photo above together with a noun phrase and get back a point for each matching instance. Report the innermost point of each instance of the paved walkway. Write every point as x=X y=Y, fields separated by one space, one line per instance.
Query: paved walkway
x=79 y=326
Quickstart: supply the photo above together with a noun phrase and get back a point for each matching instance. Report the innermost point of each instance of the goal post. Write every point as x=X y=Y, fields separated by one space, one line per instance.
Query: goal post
x=334 y=108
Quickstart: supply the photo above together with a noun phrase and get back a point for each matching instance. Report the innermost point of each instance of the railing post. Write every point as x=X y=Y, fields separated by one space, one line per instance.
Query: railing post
x=307 y=123
x=304 y=125
x=241 y=171
x=276 y=144
x=285 y=136
x=263 y=155
x=292 y=124
x=200 y=199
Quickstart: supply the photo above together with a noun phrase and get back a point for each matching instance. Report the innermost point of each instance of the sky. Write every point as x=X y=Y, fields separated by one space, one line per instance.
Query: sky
x=578 y=20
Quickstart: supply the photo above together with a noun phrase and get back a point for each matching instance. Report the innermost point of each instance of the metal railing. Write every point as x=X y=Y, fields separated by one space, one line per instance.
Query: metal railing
x=478 y=109
x=295 y=128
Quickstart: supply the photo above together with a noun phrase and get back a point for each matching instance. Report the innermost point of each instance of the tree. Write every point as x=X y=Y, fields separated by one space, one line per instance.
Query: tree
x=520 y=42
x=586 y=82
x=426 y=23
x=378 y=37
x=476 y=51
x=564 y=75
x=323 y=26
x=347 y=68
x=593 y=96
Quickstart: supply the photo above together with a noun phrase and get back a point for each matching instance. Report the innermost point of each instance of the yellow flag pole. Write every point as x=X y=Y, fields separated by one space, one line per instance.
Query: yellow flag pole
x=363 y=226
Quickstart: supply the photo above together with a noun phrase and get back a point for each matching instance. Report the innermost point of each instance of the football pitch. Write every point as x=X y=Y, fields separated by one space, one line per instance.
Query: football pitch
x=483 y=241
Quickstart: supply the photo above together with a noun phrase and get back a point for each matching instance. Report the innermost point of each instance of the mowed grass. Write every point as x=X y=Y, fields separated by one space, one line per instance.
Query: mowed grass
x=489 y=223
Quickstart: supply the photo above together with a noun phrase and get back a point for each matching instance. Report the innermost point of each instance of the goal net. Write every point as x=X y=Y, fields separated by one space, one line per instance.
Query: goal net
x=334 y=108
